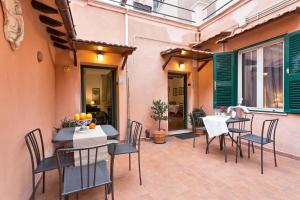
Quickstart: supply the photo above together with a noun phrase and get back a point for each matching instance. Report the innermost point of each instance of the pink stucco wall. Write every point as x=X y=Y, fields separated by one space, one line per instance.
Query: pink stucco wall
x=288 y=135
x=147 y=80
x=27 y=102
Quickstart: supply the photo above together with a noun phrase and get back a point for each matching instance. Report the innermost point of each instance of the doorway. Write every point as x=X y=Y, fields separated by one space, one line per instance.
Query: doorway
x=98 y=86
x=177 y=99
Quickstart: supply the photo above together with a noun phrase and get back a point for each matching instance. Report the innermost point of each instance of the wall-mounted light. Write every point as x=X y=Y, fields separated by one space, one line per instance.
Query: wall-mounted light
x=183 y=52
x=181 y=65
x=100 y=48
x=100 y=57
x=92 y=102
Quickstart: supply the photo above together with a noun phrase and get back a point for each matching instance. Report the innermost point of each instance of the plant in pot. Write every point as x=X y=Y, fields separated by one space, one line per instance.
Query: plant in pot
x=159 y=109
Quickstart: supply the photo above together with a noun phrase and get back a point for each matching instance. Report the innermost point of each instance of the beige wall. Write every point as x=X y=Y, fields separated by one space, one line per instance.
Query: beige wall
x=234 y=18
x=27 y=102
x=68 y=84
x=147 y=80
x=288 y=137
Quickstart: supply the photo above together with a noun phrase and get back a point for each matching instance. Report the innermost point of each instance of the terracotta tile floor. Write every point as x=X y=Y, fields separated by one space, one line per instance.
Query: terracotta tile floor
x=176 y=171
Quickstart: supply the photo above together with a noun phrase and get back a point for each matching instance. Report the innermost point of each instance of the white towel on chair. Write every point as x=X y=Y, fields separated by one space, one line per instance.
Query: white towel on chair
x=216 y=125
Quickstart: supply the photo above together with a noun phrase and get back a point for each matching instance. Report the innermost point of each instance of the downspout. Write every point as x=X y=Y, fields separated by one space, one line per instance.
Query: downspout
x=127 y=77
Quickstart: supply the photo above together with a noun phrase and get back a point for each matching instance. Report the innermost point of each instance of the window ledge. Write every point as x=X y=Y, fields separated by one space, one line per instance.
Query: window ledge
x=269 y=112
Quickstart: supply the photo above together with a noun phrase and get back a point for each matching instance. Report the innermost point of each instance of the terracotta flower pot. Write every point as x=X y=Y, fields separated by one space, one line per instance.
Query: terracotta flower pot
x=159 y=137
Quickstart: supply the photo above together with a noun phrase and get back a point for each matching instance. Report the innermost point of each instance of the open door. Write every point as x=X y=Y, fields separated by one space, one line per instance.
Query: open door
x=177 y=99
x=98 y=94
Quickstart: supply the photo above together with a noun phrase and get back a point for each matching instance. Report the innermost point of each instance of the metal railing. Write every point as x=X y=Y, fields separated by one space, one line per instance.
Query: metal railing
x=150 y=9
x=212 y=9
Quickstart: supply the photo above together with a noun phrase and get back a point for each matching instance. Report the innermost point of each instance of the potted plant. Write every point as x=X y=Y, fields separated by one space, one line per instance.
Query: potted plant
x=159 y=109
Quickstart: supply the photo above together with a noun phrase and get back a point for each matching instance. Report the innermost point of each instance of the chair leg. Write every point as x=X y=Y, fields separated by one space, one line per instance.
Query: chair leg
x=207 y=150
x=194 y=142
x=44 y=177
x=112 y=191
x=261 y=159
x=33 y=187
x=248 y=149
x=224 y=147
x=139 y=161
x=105 y=188
x=129 y=161
x=232 y=140
x=274 y=151
x=252 y=147
x=236 y=149
x=77 y=195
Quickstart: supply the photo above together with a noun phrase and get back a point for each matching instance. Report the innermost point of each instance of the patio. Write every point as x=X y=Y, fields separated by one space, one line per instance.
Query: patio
x=113 y=59
x=175 y=170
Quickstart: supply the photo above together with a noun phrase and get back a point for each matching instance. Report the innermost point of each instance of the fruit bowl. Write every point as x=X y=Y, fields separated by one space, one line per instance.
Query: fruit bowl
x=83 y=123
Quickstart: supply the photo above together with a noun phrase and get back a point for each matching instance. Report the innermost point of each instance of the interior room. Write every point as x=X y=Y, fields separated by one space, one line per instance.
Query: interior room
x=176 y=101
x=98 y=91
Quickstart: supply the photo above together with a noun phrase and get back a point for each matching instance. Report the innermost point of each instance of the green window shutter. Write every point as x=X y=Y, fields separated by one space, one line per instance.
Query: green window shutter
x=225 y=79
x=292 y=73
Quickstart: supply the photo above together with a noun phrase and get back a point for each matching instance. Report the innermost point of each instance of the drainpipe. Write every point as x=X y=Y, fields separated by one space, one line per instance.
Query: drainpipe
x=127 y=77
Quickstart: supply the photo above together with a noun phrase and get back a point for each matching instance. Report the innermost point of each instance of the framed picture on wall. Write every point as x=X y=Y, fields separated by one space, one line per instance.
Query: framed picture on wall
x=174 y=91
x=181 y=89
x=96 y=95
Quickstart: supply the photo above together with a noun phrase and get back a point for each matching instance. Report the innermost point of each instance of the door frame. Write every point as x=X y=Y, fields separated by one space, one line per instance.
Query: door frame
x=114 y=89
x=185 y=93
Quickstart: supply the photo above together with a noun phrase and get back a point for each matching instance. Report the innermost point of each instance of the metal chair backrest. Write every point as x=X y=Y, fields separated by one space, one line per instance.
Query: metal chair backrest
x=35 y=145
x=88 y=172
x=270 y=125
x=135 y=133
x=242 y=125
x=196 y=118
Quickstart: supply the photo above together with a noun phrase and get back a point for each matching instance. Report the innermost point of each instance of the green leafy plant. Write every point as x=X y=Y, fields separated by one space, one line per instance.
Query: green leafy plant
x=197 y=112
x=67 y=123
x=159 y=109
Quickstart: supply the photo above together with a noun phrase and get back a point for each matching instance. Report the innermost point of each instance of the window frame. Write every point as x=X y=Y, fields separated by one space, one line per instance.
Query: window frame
x=259 y=89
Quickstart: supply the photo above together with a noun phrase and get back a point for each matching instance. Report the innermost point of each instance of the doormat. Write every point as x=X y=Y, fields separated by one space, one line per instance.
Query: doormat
x=185 y=136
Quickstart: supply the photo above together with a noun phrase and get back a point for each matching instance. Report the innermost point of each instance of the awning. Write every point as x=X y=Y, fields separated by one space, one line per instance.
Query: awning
x=212 y=38
x=296 y=10
x=186 y=54
x=104 y=47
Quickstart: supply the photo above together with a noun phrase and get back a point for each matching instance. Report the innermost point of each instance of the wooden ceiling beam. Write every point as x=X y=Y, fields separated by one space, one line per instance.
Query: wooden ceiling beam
x=43 y=7
x=55 y=32
x=49 y=21
x=124 y=61
x=167 y=62
x=61 y=46
x=57 y=39
x=202 y=65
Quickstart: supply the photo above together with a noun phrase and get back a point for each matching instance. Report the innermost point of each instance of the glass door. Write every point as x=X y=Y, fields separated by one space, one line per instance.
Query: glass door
x=98 y=94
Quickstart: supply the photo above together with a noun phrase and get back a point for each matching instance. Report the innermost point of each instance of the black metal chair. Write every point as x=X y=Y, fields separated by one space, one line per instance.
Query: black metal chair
x=241 y=129
x=197 y=124
x=94 y=173
x=40 y=164
x=271 y=126
x=132 y=145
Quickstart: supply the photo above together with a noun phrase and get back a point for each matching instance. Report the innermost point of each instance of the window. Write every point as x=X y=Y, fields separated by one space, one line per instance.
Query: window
x=260 y=76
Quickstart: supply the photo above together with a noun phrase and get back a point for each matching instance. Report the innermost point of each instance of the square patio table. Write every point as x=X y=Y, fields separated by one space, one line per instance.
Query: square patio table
x=65 y=135
x=222 y=137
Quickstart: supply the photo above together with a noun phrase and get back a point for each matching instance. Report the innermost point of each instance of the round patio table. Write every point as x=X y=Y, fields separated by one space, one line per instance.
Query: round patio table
x=65 y=135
